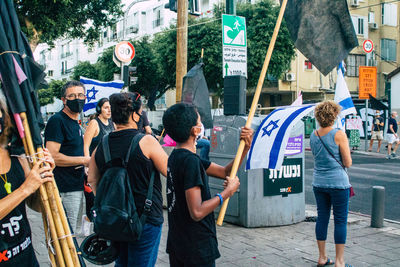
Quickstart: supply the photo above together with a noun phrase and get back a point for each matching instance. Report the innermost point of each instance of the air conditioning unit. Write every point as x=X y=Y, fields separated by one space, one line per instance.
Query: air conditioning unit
x=355 y=3
x=373 y=25
x=290 y=77
x=133 y=29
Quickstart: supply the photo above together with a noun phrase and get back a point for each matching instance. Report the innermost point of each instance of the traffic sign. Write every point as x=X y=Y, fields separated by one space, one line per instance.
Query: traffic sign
x=124 y=51
x=234 y=46
x=367 y=82
x=368 y=46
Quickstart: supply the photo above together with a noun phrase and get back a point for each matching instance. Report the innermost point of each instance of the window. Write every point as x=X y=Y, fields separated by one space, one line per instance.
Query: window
x=352 y=64
x=157 y=17
x=371 y=17
x=389 y=14
x=308 y=65
x=62 y=68
x=360 y=25
x=388 y=49
x=50 y=73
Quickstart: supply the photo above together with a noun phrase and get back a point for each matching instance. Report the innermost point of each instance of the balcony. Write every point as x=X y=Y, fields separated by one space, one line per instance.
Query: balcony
x=67 y=54
x=157 y=22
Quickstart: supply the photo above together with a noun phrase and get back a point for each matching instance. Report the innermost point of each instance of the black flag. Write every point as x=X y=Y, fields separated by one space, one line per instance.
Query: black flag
x=376 y=104
x=195 y=91
x=322 y=30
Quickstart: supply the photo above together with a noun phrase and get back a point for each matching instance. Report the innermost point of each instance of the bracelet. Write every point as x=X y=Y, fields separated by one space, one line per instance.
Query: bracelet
x=221 y=200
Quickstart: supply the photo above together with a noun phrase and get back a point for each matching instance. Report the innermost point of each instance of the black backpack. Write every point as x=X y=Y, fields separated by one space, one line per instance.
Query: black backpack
x=114 y=212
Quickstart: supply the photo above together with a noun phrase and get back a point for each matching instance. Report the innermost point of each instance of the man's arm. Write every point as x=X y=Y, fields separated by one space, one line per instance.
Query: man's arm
x=62 y=160
x=94 y=173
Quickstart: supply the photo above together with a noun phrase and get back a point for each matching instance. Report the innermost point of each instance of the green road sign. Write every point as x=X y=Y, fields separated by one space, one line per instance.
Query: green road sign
x=234 y=30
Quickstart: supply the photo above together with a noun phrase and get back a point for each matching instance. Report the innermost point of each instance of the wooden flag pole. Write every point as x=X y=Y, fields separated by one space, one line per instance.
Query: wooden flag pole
x=256 y=97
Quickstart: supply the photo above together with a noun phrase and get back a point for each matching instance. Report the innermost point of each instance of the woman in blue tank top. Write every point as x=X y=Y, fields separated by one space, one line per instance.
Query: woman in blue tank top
x=331 y=183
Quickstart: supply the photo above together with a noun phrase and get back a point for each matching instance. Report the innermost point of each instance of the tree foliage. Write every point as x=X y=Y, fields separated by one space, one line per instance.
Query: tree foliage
x=106 y=66
x=85 y=69
x=46 y=95
x=45 y=21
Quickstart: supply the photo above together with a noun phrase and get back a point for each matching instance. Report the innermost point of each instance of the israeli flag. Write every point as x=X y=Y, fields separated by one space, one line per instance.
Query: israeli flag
x=343 y=98
x=96 y=90
x=270 y=140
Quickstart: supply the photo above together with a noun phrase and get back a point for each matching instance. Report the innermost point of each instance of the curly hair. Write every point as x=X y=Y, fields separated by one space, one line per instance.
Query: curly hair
x=326 y=113
x=8 y=126
x=123 y=105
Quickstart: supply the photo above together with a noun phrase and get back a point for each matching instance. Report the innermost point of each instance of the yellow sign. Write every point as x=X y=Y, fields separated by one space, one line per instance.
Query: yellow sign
x=367 y=82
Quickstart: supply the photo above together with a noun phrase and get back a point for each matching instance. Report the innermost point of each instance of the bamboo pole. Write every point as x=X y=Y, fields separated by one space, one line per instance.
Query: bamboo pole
x=260 y=83
x=48 y=238
x=56 y=228
x=52 y=187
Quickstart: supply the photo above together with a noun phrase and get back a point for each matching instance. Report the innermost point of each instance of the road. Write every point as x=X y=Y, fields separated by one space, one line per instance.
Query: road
x=368 y=169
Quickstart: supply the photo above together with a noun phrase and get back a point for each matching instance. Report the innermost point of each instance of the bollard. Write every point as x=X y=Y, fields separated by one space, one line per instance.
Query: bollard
x=378 y=206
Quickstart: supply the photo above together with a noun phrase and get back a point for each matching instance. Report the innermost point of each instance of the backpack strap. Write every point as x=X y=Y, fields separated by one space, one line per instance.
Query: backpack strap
x=106 y=149
x=149 y=197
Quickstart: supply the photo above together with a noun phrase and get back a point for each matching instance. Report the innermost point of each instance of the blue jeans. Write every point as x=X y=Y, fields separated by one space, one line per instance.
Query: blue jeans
x=204 y=146
x=339 y=200
x=143 y=252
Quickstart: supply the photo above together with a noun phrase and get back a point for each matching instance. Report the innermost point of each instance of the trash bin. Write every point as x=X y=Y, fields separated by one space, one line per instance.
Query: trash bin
x=265 y=198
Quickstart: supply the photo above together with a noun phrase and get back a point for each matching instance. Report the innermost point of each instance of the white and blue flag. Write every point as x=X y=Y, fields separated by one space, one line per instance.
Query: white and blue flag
x=343 y=98
x=95 y=90
x=270 y=141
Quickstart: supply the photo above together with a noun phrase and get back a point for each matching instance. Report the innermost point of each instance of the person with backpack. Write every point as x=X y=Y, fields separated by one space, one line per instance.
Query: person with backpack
x=143 y=158
x=192 y=239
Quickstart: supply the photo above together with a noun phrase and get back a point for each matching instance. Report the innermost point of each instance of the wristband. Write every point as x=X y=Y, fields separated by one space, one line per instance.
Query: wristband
x=221 y=200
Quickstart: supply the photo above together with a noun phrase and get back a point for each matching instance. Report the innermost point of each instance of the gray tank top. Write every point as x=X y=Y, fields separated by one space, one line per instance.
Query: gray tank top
x=328 y=173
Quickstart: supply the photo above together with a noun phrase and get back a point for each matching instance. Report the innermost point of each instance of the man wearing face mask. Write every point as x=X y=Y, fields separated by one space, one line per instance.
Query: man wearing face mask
x=64 y=140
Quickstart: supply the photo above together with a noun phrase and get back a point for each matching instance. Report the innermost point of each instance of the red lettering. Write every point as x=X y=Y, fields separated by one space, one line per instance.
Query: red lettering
x=3 y=256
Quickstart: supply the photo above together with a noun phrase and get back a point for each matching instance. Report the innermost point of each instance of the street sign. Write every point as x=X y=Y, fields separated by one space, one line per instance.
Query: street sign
x=367 y=82
x=124 y=51
x=368 y=46
x=234 y=46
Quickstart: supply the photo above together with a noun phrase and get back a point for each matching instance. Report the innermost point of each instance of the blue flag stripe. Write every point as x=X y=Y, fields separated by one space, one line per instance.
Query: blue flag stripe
x=88 y=106
x=103 y=84
x=346 y=103
x=276 y=147
x=256 y=135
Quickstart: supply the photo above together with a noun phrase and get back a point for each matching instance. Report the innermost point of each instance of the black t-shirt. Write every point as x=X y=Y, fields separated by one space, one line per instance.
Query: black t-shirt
x=15 y=233
x=392 y=122
x=378 y=127
x=190 y=241
x=63 y=130
x=139 y=170
x=143 y=122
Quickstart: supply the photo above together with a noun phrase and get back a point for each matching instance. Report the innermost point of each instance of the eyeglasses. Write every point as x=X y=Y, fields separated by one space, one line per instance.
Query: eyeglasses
x=74 y=96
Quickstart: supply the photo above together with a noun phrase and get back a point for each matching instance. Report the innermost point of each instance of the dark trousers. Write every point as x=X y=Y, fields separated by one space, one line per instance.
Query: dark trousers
x=175 y=262
x=338 y=199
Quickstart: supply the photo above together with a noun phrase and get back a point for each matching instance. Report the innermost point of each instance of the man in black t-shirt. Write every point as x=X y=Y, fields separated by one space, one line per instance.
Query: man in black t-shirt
x=64 y=139
x=391 y=136
x=192 y=239
x=377 y=131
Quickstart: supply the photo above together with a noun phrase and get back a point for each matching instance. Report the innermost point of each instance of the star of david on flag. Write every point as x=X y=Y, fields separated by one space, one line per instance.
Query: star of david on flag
x=95 y=90
x=270 y=141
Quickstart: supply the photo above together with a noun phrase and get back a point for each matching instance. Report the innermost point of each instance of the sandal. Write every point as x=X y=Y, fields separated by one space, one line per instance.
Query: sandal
x=329 y=262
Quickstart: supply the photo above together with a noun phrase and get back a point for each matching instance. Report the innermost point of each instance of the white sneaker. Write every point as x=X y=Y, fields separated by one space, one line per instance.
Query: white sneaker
x=86 y=226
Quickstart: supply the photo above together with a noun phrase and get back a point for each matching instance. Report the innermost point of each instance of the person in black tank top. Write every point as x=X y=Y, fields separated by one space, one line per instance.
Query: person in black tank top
x=17 y=186
x=98 y=127
x=147 y=157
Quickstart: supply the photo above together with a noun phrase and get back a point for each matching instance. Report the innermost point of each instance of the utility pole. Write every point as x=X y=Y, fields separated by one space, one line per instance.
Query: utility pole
x=230 y=7
x=181 y=46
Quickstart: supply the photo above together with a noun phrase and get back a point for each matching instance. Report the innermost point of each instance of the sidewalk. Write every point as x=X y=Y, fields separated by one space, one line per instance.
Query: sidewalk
x=291 y=245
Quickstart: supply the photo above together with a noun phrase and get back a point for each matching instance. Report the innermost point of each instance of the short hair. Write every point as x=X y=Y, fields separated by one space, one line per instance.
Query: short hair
x=123 y=105
x=326 y=113
x=8 y=126
x=100 y=104
x=393 y=112
x=69 y=85
x=178 y=121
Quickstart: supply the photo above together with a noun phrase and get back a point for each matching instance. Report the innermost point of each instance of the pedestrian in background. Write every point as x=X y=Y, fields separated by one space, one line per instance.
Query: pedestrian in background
x=392 y=137
x=64 y=139
x=377 y=131
x=355 y=140
x=331 y=186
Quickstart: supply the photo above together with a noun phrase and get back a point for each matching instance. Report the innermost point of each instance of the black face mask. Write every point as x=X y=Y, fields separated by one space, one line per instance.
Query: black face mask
x=76 y=105
x=140 y=115
x=1 y=125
